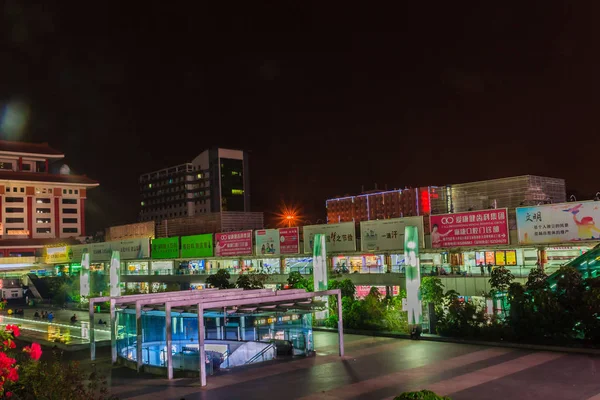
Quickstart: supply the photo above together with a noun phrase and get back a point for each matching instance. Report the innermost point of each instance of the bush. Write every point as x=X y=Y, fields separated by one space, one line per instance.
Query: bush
x=422 y=395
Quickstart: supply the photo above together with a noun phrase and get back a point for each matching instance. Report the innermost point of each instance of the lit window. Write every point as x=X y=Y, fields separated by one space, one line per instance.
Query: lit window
x=143 y=203
x=237 y=191
x=199 y=176
x=149 y=186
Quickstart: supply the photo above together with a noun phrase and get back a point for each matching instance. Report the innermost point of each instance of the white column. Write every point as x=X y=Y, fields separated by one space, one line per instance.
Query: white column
x=138 y=332
x=218 y=323
x=92 y=336
x=113 y=331
x=242 y=327
x=340 y=324
x=169 y=340
x=201 y=351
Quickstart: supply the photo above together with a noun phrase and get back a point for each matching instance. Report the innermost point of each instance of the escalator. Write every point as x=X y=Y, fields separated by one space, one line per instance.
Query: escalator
x=38 y=287
x=588 y=264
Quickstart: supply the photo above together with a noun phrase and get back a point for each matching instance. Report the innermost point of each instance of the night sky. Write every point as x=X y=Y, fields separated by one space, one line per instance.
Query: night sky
x=326 y=98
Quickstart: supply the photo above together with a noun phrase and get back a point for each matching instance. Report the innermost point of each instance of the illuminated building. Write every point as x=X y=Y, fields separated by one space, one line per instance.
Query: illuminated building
x=216 y=180
x=382 y=205
x=37 y=206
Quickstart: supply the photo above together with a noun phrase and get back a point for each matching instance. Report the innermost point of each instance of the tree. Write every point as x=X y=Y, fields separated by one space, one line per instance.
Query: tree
x=243 y=282
x=346 y=286
x=252 y=281
x=297 y=281
x=537 y=279
x=501 y=279
x=432 y=290
x=219 y=280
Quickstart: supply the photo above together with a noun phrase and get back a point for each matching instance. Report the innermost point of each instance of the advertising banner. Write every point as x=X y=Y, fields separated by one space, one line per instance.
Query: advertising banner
x=473 y=228
x=267 y=242
x=197 y=246
x=233 y=244
x=57 y=255
x=115 y=264
x=165 y=248
x=362 y=290
x=339 y=237
x=559 y=223
x=387 y=234
x=84 y=279
x=413 y=274
x=320 y=262
x=289 y=240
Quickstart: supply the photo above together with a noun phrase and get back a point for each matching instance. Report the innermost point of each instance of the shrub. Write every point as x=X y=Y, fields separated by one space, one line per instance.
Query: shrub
x=422 y=395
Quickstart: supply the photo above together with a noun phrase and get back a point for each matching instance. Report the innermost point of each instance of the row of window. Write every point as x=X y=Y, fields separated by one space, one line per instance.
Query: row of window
x=39 y=200
x=12 y=210
x=40 y=190
x=40 y=220
x=43 y=230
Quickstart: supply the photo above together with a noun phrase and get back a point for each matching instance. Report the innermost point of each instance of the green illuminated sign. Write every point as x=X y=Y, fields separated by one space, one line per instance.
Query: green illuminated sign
x=197 y=246
x=165 y=248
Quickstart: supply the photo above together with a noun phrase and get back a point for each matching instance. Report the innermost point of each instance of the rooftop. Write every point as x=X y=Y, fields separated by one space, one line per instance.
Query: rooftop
x=50 y=178
x=34 y=149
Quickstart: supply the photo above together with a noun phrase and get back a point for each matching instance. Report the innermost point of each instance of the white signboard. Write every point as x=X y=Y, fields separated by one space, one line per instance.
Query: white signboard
x=388 y=234
x=338 y=237
x=559 y=223
x=132 y=249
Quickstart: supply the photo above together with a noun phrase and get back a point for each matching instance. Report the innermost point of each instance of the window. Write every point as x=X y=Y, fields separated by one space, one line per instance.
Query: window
x=43 y=201
x=143 y=204
x=14 y=199
x=15 y=230
x=42 y=211
x=76 y=191
x=69 y=230
x=43 y=220
x=15 y=220
x=69 y=220
x=26 y=167
x=64 y=191
x=5 y=165
x=14 y=210
x=237 y=191
x=43 y=230
x=22 y=190
x=69 y=211
x=69 y=201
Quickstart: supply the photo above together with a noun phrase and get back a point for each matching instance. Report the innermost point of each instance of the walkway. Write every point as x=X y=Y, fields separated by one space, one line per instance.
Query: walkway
x=380 y=368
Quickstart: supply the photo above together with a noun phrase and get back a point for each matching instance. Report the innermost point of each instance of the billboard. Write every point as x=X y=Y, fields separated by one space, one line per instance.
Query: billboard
x=339 y=237
x=289 y=240
x=197 y=246
x=267 y=242
x=559 y=223
x=165 y=248
x=57 y=255
x=388 y=234
x=233 y=244
x=473 y=228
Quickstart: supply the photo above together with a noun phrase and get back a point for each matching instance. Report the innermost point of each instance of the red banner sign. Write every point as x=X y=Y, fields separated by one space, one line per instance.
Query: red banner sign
x=233 y=244
x=289 y=240
x=475 y=228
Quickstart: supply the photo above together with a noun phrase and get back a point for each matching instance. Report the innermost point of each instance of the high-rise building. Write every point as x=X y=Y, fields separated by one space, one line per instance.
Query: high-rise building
x=37 y=206
x=216 y=180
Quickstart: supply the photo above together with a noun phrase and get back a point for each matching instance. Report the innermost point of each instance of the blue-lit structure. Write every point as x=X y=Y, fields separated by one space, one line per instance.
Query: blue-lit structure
x=588 y=264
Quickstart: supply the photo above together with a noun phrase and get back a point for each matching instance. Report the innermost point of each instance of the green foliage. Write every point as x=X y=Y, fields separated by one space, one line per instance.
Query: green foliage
x=220 y=280
x=501 y=279
x=432 y=290
x=347 y=287
x=252 y=281
x=537 y=279
x=62 y=289
x=462 y=318
x=57 y=380
x=297 y=281
x=422 y=395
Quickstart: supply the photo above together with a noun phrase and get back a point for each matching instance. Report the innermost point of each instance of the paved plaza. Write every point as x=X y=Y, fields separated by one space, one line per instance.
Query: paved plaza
x=380 y=368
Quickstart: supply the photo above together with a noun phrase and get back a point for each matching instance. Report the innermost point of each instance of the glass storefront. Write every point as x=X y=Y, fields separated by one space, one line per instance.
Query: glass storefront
x=134 y=267
x=361 y=264
x=162 y=267
x=303 y=265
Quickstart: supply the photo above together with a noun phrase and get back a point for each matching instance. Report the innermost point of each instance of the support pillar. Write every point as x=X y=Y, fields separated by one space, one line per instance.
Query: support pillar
x=218 y=322
x=243 y=327
x=169 y=340
x=113 y=331
x=340 y=324
x=201 y=351
x=92 y=336
x=138 y=332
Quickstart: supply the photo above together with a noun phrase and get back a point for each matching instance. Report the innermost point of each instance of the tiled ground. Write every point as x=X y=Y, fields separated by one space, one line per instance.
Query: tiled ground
x=380 y=368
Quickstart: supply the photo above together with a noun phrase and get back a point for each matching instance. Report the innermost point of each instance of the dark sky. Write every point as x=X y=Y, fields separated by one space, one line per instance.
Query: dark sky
x=326 y=98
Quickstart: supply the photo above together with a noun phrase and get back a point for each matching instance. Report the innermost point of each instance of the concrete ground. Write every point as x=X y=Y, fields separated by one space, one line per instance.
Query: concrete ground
x=381 y=368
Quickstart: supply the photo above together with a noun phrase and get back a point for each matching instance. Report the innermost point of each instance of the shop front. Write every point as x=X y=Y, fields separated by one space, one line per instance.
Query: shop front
x=361 y=264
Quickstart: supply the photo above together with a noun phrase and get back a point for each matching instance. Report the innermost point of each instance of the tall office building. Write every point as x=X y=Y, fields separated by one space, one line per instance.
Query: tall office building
x=216 y=180
x=38 y=207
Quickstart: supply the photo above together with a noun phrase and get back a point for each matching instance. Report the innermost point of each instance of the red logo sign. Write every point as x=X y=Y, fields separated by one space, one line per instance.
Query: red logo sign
x=233 y=244
x=476 y=228
x=289 y=241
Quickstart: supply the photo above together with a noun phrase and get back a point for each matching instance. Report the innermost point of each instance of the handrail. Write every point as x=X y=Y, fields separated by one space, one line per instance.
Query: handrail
x=260 y=353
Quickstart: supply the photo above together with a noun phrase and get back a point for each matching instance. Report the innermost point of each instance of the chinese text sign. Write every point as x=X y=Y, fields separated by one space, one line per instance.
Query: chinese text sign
x=233 y=244
x=387 y=234
x=339 y=237
x=474 y=228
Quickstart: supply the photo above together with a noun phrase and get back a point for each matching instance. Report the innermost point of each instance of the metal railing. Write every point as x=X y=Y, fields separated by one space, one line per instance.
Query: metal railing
x=261 y=354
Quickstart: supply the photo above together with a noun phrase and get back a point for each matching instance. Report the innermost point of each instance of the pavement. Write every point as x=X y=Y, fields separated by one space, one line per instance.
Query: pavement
x=60 y=330
x=381 y=368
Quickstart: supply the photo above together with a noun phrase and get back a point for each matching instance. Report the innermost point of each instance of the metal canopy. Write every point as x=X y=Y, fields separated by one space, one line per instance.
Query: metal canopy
x=227 y=301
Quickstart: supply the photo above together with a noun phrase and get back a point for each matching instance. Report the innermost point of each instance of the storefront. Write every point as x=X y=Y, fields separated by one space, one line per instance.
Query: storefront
x=134 y=267
x=362 y=263
x=303 y=265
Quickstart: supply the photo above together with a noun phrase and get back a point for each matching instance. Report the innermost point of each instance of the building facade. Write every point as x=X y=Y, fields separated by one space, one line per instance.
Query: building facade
x=216 y=180
x=37 y=207
x=225 y=221
x=375 y=205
